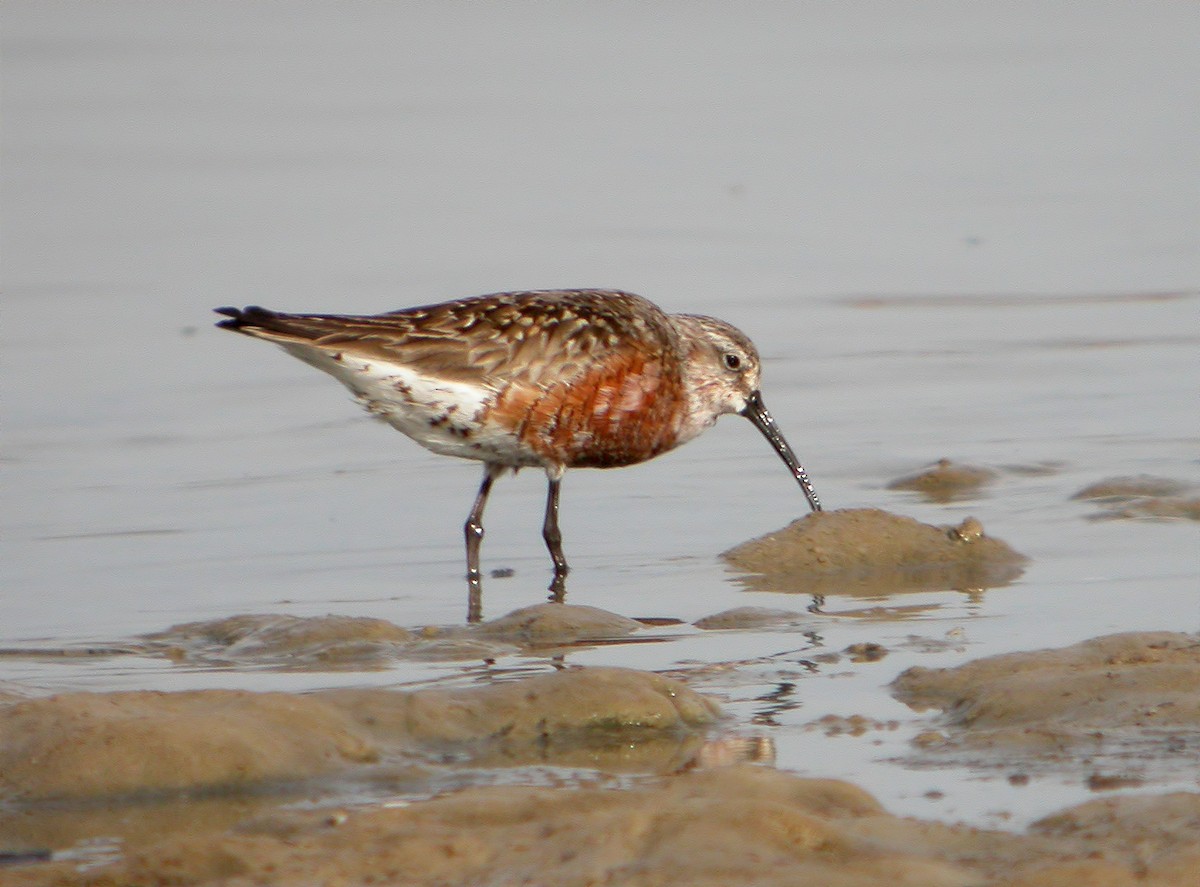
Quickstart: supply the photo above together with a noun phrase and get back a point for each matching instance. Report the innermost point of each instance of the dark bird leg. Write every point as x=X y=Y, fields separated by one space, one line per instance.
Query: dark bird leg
x=553 y=537
x=474 y=533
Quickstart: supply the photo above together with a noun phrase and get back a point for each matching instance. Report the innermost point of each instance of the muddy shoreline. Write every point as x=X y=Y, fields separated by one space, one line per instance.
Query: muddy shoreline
x=210 y=805
x=583 y=775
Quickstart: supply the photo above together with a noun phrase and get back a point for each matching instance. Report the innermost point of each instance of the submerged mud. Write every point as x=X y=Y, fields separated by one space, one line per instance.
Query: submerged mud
x=290 y=641
x=750 y=617
x=1142 y=496
x=338 y=643
x=871 y=552
x=946 y=481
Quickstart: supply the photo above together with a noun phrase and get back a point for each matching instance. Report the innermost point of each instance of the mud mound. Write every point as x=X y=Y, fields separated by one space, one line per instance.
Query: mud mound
x=869 y=551
x=1130 y=701
x=99 y=745
x=946 y=481
x=545 y=625
x=94 y=744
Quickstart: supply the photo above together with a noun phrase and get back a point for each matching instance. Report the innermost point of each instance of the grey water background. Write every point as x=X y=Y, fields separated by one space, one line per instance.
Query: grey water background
x=963 y=230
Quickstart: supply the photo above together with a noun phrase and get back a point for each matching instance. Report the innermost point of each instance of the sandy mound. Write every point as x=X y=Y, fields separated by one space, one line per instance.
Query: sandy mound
x=81 y=745
x=868 y=551
x=946 y=481
x=611 y=719
x=551 y=625
x=731 y=826
x=96 y=745
x=1129 y=701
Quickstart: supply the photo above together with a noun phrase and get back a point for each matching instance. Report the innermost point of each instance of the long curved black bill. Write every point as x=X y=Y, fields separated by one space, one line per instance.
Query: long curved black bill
x=756 y=412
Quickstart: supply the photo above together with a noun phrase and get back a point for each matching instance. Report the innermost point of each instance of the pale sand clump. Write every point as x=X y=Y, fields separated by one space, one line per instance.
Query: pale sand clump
x=543 y=625
x=869 y=551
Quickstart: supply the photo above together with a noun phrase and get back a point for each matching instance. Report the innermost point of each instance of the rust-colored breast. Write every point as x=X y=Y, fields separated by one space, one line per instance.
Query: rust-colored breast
x=619 y=410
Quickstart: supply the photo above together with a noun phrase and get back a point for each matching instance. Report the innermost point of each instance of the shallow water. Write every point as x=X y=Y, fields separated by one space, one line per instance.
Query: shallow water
x=966 y=233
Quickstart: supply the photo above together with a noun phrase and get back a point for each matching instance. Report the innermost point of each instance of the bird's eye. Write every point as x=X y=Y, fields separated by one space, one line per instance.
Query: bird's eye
x=732 y=361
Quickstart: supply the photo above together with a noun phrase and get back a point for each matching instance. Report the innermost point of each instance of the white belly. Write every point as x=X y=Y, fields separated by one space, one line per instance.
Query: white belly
x=440 y=414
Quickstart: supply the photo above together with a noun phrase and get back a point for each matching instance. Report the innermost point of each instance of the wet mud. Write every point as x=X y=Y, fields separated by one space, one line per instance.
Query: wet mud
x=200 y=787
x=946 y=481
x=80 y=746
x=342 y=643
x=867 y=551
x=1111 y=711
x=750 y=617
x=618 y=775
x=551 y=625
x=282 y=640
x=1142 y=496
x=732 y=825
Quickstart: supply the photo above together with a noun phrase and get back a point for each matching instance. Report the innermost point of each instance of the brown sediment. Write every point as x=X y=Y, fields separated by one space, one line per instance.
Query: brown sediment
x=946 y=481
x=94 y=745
x=730 y=824
x=80 y=746
x=1111 y=709
x=737 y=825
x=543 y=625
x=853 y=725
x=873 y=552
x=866 y=652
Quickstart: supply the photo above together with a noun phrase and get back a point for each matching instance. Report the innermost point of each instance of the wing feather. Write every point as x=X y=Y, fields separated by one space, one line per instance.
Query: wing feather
x=533 y=338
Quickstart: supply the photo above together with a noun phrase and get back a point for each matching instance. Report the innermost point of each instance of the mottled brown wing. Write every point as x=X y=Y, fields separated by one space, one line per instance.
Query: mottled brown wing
x=533 y=338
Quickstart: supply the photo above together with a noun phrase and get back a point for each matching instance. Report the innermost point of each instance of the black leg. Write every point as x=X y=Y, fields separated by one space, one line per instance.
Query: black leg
x=550 y=532
x=474 y=533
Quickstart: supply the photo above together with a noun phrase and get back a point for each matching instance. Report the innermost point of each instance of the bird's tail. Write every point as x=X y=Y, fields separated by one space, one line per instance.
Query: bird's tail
x=251 y=315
